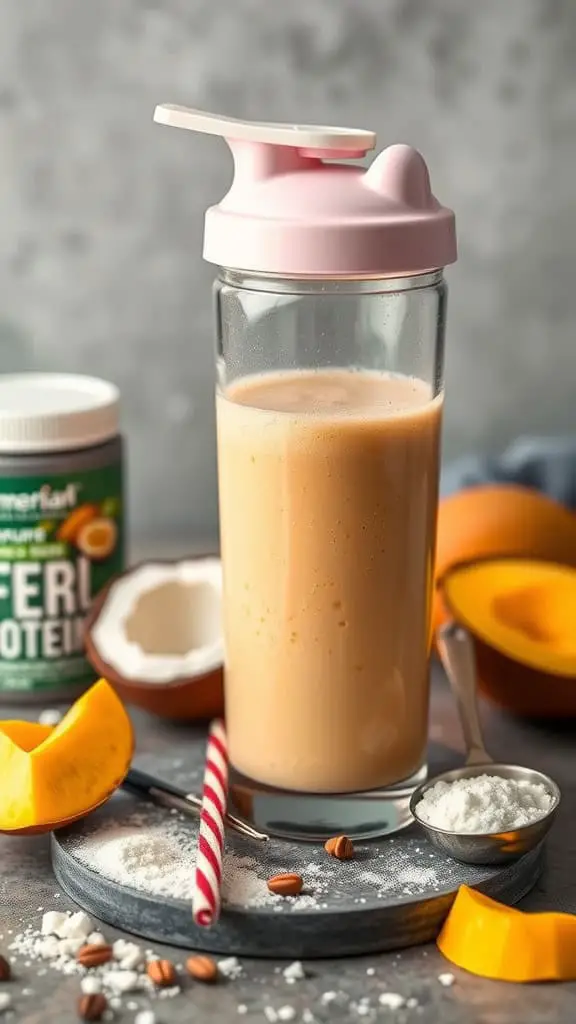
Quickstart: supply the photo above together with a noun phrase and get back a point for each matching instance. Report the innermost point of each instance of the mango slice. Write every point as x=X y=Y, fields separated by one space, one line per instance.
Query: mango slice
x=496 y=941
x=520 y=613
x=26 y=735
x=525 y=609
x=497 y=520
x=54 y=775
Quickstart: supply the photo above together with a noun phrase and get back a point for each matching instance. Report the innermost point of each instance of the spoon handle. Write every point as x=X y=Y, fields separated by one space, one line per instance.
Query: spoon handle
x=457 y=653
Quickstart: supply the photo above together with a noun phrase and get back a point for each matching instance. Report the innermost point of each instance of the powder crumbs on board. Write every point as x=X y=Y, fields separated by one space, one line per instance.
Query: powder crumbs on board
x=154 y=856
x=155 y=861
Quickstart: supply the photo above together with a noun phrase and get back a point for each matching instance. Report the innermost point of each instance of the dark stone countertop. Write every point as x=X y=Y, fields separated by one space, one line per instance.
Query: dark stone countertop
x=26 y=884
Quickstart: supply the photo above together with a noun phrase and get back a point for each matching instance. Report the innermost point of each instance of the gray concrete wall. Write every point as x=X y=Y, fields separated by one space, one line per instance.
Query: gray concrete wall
x=101 y=212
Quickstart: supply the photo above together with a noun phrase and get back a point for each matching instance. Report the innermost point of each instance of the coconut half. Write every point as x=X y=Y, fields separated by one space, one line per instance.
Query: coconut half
x=158 y=628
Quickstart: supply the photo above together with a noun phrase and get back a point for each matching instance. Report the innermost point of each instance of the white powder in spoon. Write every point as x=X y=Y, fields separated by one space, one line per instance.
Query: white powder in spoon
x=484 y=804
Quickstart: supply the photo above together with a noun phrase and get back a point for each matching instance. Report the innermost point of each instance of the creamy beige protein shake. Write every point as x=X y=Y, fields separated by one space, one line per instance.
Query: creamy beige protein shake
x=328 y=493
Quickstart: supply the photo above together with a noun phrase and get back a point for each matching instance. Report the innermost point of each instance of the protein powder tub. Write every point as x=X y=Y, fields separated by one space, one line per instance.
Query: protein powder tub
x=61 y=526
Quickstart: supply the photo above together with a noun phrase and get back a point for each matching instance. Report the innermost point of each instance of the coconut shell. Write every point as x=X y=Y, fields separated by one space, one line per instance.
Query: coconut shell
x=189 y=698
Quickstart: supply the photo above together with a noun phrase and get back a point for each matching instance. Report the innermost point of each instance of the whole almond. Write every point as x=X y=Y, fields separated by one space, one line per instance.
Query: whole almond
x=202 y=968
x=5 y=969
x=161 y=972
x=285 y=885
x=92 y=1006
x=94 y=956
x=340 y=847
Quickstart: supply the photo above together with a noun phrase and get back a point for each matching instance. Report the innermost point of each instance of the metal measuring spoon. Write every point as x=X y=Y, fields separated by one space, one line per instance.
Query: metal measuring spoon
x=457 y=653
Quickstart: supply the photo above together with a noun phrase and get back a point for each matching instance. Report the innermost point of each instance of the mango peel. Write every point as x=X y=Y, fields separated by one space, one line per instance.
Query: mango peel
x=52 y=776
x=495 y=941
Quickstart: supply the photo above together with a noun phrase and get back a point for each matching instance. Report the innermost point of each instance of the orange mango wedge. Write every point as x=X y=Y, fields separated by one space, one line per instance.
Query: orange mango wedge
x=495 y=941
x=51 y=776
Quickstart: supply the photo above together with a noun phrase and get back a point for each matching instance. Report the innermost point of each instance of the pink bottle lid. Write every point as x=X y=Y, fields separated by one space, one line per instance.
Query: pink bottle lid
x=289 y=212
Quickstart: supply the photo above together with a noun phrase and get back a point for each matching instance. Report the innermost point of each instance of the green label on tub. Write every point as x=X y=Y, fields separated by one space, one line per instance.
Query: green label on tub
x=61 y=539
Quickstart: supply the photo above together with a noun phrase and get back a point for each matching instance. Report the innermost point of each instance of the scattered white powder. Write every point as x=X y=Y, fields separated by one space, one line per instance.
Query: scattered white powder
x=294 y=972
x=76 y=926
x=371 y=971
x=157 y=860
x=339 y=998
x=169 y=993
x=484 y=804
x=69 y=947
x=91 y=985
x=120 y=982
x=230 y=967
x=154 y=855
x=362 y=1008
x=286 y=1013
x=50 y=716
x=128 y=954
x=5 y=1001
x=49 y=948
x=113 y=978
x=153 y=861
x=416 y=875
x=328 y=997
x=446 y=979
x=96 y=939
x=52 y=922
x=145 y=1017
x=392 y=1000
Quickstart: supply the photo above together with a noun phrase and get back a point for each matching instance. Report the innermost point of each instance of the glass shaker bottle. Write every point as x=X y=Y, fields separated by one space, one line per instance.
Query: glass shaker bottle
x=330 y=310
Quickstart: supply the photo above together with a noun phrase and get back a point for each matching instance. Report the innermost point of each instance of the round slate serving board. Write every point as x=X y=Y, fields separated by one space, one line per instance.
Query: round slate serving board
x=396 y=892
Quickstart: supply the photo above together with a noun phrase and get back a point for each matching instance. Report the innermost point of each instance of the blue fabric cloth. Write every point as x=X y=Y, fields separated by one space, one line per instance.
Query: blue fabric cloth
x=547 y=464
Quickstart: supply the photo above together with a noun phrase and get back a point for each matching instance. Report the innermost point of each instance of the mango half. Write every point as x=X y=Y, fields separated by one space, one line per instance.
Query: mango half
x=521 y=615
x=53 y=776
x=499 y=521
x=495 y=941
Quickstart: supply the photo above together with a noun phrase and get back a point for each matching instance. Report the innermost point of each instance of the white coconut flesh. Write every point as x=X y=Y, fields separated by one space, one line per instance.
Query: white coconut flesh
x=162 y=621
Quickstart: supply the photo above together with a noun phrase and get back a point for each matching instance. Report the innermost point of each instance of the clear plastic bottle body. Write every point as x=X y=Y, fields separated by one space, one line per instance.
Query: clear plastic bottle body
x=329 y=411
x=268 y=324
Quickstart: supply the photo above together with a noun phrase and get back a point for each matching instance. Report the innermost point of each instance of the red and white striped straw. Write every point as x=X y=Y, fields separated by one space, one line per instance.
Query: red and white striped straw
x=208 y=877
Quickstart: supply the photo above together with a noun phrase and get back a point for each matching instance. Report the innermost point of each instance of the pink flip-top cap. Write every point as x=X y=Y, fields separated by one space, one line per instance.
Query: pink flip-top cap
x=291 y=213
